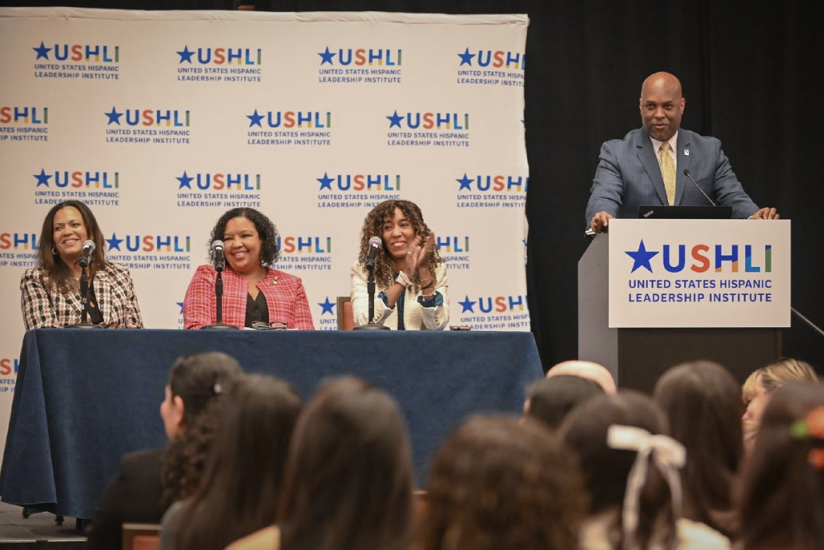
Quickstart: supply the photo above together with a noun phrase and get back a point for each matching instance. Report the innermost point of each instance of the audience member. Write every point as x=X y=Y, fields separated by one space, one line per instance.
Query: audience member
x=631 y=469
x=701 y=400
x=761 y=384
x=348 y=481
x=586 y=369
x=149 y=481
x=243 y=479
x=550 y=399
x=498 y=483
x=782 y=504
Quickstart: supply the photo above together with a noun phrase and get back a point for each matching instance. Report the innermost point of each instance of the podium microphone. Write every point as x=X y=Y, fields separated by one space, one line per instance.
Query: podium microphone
x=220 y=258
x=687 y=173
x=375 y=244
x=86 y=253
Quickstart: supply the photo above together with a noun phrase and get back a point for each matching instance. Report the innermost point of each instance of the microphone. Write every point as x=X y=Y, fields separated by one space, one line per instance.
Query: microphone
x=86 y=253
x=375 y=244
x=220 y=259
x=687 y=173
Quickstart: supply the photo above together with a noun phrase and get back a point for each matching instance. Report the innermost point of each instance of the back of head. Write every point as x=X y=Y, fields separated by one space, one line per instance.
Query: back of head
x=782 y=504
x=771 y=377
x=498 y=483
x=585 y=369
x=551 y=399
x=703 y=405
x=244 y=477
x=607 y=469
x=201 y=380
x=349 y=474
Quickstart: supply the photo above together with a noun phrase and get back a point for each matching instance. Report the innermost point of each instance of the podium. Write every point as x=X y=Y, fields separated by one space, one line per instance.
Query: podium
x=655 y=293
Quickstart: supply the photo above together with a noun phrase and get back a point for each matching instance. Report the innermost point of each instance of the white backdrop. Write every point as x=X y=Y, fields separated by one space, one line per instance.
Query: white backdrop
x=161 y=121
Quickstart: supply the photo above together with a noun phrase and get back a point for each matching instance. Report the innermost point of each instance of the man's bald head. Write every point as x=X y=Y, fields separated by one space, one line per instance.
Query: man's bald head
x=586 y=369
x=662 y=105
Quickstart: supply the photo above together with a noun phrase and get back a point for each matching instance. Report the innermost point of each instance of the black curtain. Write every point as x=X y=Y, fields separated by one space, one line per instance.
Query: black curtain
x=748 y=70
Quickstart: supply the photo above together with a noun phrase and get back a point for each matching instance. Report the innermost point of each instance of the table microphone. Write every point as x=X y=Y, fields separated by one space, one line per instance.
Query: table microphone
x=375 y=244
x=220 y=258
x=687 y=173
x=86 y=253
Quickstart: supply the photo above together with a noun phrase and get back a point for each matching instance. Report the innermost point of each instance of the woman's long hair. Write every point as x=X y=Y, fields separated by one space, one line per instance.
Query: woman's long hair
x=201 y=381
x=244 y=476
x=59 y=274
x=498 y=483
x=703 y=403
x=373 y=227
x=606 y=469
x=782 y=501
x=349 y=473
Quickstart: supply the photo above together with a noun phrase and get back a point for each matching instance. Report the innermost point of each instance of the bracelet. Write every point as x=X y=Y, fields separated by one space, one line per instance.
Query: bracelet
x=427 y=297
x=403 y=280
x=428 y=285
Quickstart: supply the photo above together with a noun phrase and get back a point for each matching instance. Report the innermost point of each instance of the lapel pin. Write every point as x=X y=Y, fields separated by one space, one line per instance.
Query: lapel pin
x=686 y=152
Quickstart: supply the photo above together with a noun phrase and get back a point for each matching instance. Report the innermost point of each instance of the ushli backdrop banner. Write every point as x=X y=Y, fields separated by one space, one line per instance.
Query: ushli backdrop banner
x=161 y=121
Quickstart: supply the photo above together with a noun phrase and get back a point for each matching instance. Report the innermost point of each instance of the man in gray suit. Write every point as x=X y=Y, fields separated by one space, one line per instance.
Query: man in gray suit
x=647 y=166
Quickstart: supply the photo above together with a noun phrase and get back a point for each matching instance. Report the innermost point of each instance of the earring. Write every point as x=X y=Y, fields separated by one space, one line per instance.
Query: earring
x=54 y=252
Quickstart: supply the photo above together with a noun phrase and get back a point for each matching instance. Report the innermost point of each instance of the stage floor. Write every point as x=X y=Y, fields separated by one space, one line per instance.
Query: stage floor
x=38 y=531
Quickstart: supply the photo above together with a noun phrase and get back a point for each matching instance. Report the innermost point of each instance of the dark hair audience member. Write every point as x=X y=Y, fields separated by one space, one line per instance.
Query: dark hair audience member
x=348 y=481
x=498 y=483
x=782 y=503
x=631 y=468
x=149 y=481
x=703 y=404
x=244 y=476
x=551 y=399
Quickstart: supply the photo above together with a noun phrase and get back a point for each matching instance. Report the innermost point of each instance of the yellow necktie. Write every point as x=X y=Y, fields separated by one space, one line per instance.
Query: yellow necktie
x=667 y=171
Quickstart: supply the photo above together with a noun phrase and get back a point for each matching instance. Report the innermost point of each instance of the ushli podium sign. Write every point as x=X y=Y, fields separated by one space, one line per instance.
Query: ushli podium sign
x=654 y=293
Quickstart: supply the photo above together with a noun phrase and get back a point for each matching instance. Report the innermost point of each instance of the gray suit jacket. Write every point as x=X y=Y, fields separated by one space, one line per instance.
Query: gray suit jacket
x=629 y=176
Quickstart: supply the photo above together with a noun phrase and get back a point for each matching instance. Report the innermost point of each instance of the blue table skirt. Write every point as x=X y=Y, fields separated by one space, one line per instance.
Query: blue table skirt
x=86 y=397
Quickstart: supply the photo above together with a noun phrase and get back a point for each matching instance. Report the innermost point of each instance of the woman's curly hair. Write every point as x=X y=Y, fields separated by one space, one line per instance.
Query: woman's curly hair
x=266 y=230
x=373 y=226
x=201 y=381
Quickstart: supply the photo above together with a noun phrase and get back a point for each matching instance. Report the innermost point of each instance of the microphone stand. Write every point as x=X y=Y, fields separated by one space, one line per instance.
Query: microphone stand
x=84 y=301
x=370 y=290
x=220 y=325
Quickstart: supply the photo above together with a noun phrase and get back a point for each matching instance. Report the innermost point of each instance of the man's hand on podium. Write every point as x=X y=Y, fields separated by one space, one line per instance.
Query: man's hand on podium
x=765 y=214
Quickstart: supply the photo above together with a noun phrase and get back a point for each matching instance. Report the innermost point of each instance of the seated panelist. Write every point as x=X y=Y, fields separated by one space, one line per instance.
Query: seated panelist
x=254 y=293
x=411 y=284
x=50 y=292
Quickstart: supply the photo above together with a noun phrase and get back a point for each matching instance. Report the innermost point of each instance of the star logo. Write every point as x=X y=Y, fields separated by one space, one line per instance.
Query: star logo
x=326 y=57
x=42 y=51
x=395 y=120
x=114 y=242
x=114 y=116
x=42 y=178
x=255 y=119
x=327 y=306
x=325 y=182
x=181 y=307
x=641 y=257
x=185 y=181
x=466 y=58
x=468 y=305
x=185 y=55
x=465 y=182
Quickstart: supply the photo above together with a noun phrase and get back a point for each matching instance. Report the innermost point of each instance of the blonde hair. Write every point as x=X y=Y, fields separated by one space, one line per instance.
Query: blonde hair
x=774 y=375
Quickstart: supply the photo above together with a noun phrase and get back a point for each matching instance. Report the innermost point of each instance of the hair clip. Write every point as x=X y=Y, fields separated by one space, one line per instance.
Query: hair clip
x=811 y=427
x=218 y=389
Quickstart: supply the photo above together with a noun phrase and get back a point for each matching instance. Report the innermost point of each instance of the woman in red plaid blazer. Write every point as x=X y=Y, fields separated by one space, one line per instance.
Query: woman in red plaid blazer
x=253 y=292
x=50 y=293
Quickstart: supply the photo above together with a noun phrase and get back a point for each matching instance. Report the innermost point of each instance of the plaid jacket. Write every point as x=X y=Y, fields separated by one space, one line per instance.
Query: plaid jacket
x=285 y=297
x=43 y=307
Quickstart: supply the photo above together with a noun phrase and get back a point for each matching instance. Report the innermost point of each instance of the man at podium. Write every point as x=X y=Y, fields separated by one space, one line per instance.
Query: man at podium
x=661 y=164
